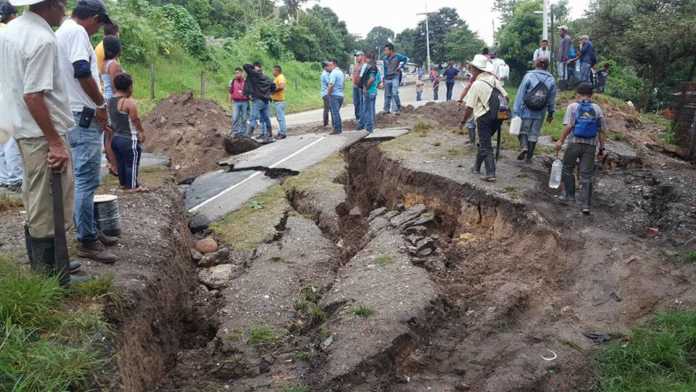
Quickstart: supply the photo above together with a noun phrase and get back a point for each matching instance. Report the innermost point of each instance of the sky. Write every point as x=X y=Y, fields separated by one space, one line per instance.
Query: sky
x=362 y=15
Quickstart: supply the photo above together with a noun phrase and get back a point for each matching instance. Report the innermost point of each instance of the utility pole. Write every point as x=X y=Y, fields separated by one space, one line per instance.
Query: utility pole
x=427 y=33
x=546 y=19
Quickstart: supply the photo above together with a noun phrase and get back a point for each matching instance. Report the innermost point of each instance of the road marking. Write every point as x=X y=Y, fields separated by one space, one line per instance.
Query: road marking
x=225 y=191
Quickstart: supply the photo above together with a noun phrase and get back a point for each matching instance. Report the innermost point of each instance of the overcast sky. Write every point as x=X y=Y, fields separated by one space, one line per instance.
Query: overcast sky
x=362 y=15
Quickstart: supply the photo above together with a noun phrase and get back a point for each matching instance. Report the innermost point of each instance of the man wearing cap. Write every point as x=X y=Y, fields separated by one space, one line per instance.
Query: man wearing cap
x=78 y=64
x=7 y=13
x=477 y=105
x=563 y=50
x=587 y=58
x=358 y=69
x=40 y=115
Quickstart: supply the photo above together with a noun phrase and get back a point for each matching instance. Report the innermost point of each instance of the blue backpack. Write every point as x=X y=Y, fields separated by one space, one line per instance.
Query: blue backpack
x=571 y=52
x=586 y=121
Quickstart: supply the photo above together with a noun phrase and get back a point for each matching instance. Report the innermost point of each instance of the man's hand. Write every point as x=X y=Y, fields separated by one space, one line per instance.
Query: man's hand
x=58 y=155
x=102 y=118
x=381 y=85
x=141 y=138
x=559 y=145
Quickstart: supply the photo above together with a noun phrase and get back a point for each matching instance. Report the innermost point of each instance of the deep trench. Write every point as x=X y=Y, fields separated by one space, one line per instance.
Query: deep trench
x=457 y=208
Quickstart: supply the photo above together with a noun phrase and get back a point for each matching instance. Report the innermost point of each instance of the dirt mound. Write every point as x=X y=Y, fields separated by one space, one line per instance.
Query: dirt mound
x=188 y=130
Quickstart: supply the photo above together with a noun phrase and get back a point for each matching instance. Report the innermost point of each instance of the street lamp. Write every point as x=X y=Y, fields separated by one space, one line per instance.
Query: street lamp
x=427 y=34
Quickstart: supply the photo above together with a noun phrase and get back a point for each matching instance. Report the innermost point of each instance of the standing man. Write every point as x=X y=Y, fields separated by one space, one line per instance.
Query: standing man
x=78 y=64
x=11 y=171
x=371 y=78
x=325 y=91
x=41 y=117
x=358 y=69
x=535 y=97
x=435 y=80
x=542 y=52
x=393 y=62
x=335 y=93
x=278 y=98
x=240 y=104
x=587 y=58
x=563 y=51
x=450 y=75
x=258 y=87
x=478 y=105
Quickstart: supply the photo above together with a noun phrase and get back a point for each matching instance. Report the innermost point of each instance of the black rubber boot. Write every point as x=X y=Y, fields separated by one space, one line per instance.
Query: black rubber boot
x=73 y=266
x=43 y=252
x=530 y=151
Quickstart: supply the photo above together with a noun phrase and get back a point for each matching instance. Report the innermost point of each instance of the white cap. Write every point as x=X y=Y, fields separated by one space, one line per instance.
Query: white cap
x=563 y=27
x=482 y=63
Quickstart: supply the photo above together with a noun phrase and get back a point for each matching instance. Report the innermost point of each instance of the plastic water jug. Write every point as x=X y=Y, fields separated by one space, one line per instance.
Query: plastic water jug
x=556 y=172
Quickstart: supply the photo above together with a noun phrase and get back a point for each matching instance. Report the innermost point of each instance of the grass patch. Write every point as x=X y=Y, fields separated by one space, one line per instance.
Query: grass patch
x=308 y=306
x=248 y=227
x=8 y=202
x=98 y=287
x=295 y=388
x=149 y=177
x=690 y=257
x=362 y=311
x=263 y=335
x=384 y=260
x=47 y=342
x=318 y=178
x=421 y=128
x=658 y=357
x=304 y=356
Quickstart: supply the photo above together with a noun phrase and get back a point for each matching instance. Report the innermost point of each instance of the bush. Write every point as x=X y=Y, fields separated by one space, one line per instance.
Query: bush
x=186 y=30
x=623 y=83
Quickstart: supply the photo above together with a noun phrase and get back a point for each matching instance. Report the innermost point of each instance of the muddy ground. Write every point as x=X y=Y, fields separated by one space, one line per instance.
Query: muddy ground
x=391 y=268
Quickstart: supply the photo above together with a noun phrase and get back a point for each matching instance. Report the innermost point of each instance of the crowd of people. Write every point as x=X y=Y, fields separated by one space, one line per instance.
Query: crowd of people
x=68 y=103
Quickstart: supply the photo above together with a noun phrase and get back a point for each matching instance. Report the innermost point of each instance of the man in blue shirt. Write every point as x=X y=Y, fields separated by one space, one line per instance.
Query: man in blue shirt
x=335 y=93
x=369 y=81
x=450 y=74
x=587 y=58
x=533 y=118
x=325 y=91
x=393 y=63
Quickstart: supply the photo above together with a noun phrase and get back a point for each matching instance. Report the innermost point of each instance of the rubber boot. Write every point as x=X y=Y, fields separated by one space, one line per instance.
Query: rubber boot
x=73 y=266
x=43 y=252
x=524 y=146
x=568 y=195
x=472 y=136
x=586 y=197
x=530 y=151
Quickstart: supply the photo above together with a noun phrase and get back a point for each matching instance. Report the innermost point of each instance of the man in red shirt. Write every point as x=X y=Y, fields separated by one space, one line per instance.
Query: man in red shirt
x=240 y=104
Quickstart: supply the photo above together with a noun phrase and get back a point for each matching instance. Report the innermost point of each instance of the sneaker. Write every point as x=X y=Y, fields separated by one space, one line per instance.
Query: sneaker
x=397 y=113
x=475 y=172
x=586 y=210
x=107 y=240
x=95 y=251
x=488 y=178
x=335 y=133
x=280 y=136
x=565 y=199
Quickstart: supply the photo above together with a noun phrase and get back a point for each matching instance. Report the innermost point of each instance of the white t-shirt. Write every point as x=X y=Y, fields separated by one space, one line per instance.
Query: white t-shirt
x=30 y=63
x=542 y=54
x=74 y=45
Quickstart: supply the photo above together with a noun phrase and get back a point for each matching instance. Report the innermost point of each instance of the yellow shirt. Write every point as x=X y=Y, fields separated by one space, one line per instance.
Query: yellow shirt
x=99 y=50
x=480 y=93
x=279 y=95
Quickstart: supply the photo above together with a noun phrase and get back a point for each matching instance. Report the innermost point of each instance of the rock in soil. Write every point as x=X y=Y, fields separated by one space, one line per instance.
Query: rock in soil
x=239 y=145
x=220 y=257
x=206 y=245
x=216 y=277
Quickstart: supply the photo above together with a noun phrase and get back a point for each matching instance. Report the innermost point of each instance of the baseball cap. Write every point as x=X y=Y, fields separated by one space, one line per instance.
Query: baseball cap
x=359 y=53
x=96 y=7
x=7 y=9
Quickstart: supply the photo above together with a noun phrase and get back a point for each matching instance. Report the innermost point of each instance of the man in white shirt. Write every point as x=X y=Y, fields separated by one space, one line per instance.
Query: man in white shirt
x=36 y=102
x=78 y=63
x=543 y=52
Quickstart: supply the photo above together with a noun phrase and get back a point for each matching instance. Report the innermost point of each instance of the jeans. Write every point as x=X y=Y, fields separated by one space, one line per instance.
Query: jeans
x=471 y=126
x=531 y=128
x=436 y=92
x=260 y=112
x=486 y=129
x=586 y=153
x=335 y=103
x=357 y=102
x=240 y=115
x=327 y=109
x=128 y=151
x=419 y=96
x=11 y=168
x=562 y=71
x=367 y=118
x=450 y=89
x=391 y=92
x=85 y=148
x=585 y=72
x=280 y=115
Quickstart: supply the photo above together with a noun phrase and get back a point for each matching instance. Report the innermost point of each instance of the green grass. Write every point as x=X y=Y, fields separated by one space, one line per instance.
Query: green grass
x=49 y=338
x=362 y=311
x=690 y=257
x=295 y=388
x=10 y=202
x=384 y=260
x=659 y=357
x=304 y=356
x=263 y=335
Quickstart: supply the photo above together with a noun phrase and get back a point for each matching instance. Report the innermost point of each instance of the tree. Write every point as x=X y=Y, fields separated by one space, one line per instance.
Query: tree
x=405 y=42
x=377 y=38
x=293 y=7
x=519 y=37
x=463 y=44
x=505 y=8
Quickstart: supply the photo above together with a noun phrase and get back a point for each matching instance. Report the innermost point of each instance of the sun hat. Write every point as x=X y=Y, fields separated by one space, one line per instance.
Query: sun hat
x=563 y=27
x=482 y=63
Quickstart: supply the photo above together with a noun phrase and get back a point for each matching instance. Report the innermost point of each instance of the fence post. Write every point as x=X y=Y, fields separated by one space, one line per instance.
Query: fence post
x=152 y=81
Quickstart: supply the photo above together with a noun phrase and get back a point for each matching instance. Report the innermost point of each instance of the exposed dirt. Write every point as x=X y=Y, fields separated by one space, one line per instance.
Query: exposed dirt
x=190 y=132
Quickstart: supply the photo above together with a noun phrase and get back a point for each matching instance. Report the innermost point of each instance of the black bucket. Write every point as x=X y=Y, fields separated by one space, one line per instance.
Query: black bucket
x=106 y=214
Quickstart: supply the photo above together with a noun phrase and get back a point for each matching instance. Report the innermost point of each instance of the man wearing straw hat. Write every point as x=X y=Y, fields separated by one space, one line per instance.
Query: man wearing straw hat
x=478 y=105
x=36 y=101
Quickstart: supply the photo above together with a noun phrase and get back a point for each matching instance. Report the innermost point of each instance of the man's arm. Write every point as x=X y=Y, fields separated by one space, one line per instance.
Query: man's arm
x=280 y=86
x=519 y=97
x=332 y=81
x=564 y=135
x=58 y=155
x=552 y=102
x=467 y=114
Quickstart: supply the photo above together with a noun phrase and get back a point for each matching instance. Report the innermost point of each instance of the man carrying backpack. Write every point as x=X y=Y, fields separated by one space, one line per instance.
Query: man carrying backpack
x=535 y=97
x=585 y=127
x=487 y=102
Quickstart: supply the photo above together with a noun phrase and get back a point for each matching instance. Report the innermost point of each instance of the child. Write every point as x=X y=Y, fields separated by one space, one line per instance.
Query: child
x=435 y=79
x=419 y=89
x=128 y=133
x=585 y=127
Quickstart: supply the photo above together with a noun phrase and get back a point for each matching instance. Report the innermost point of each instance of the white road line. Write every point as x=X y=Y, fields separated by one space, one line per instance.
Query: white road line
x=301 y=150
